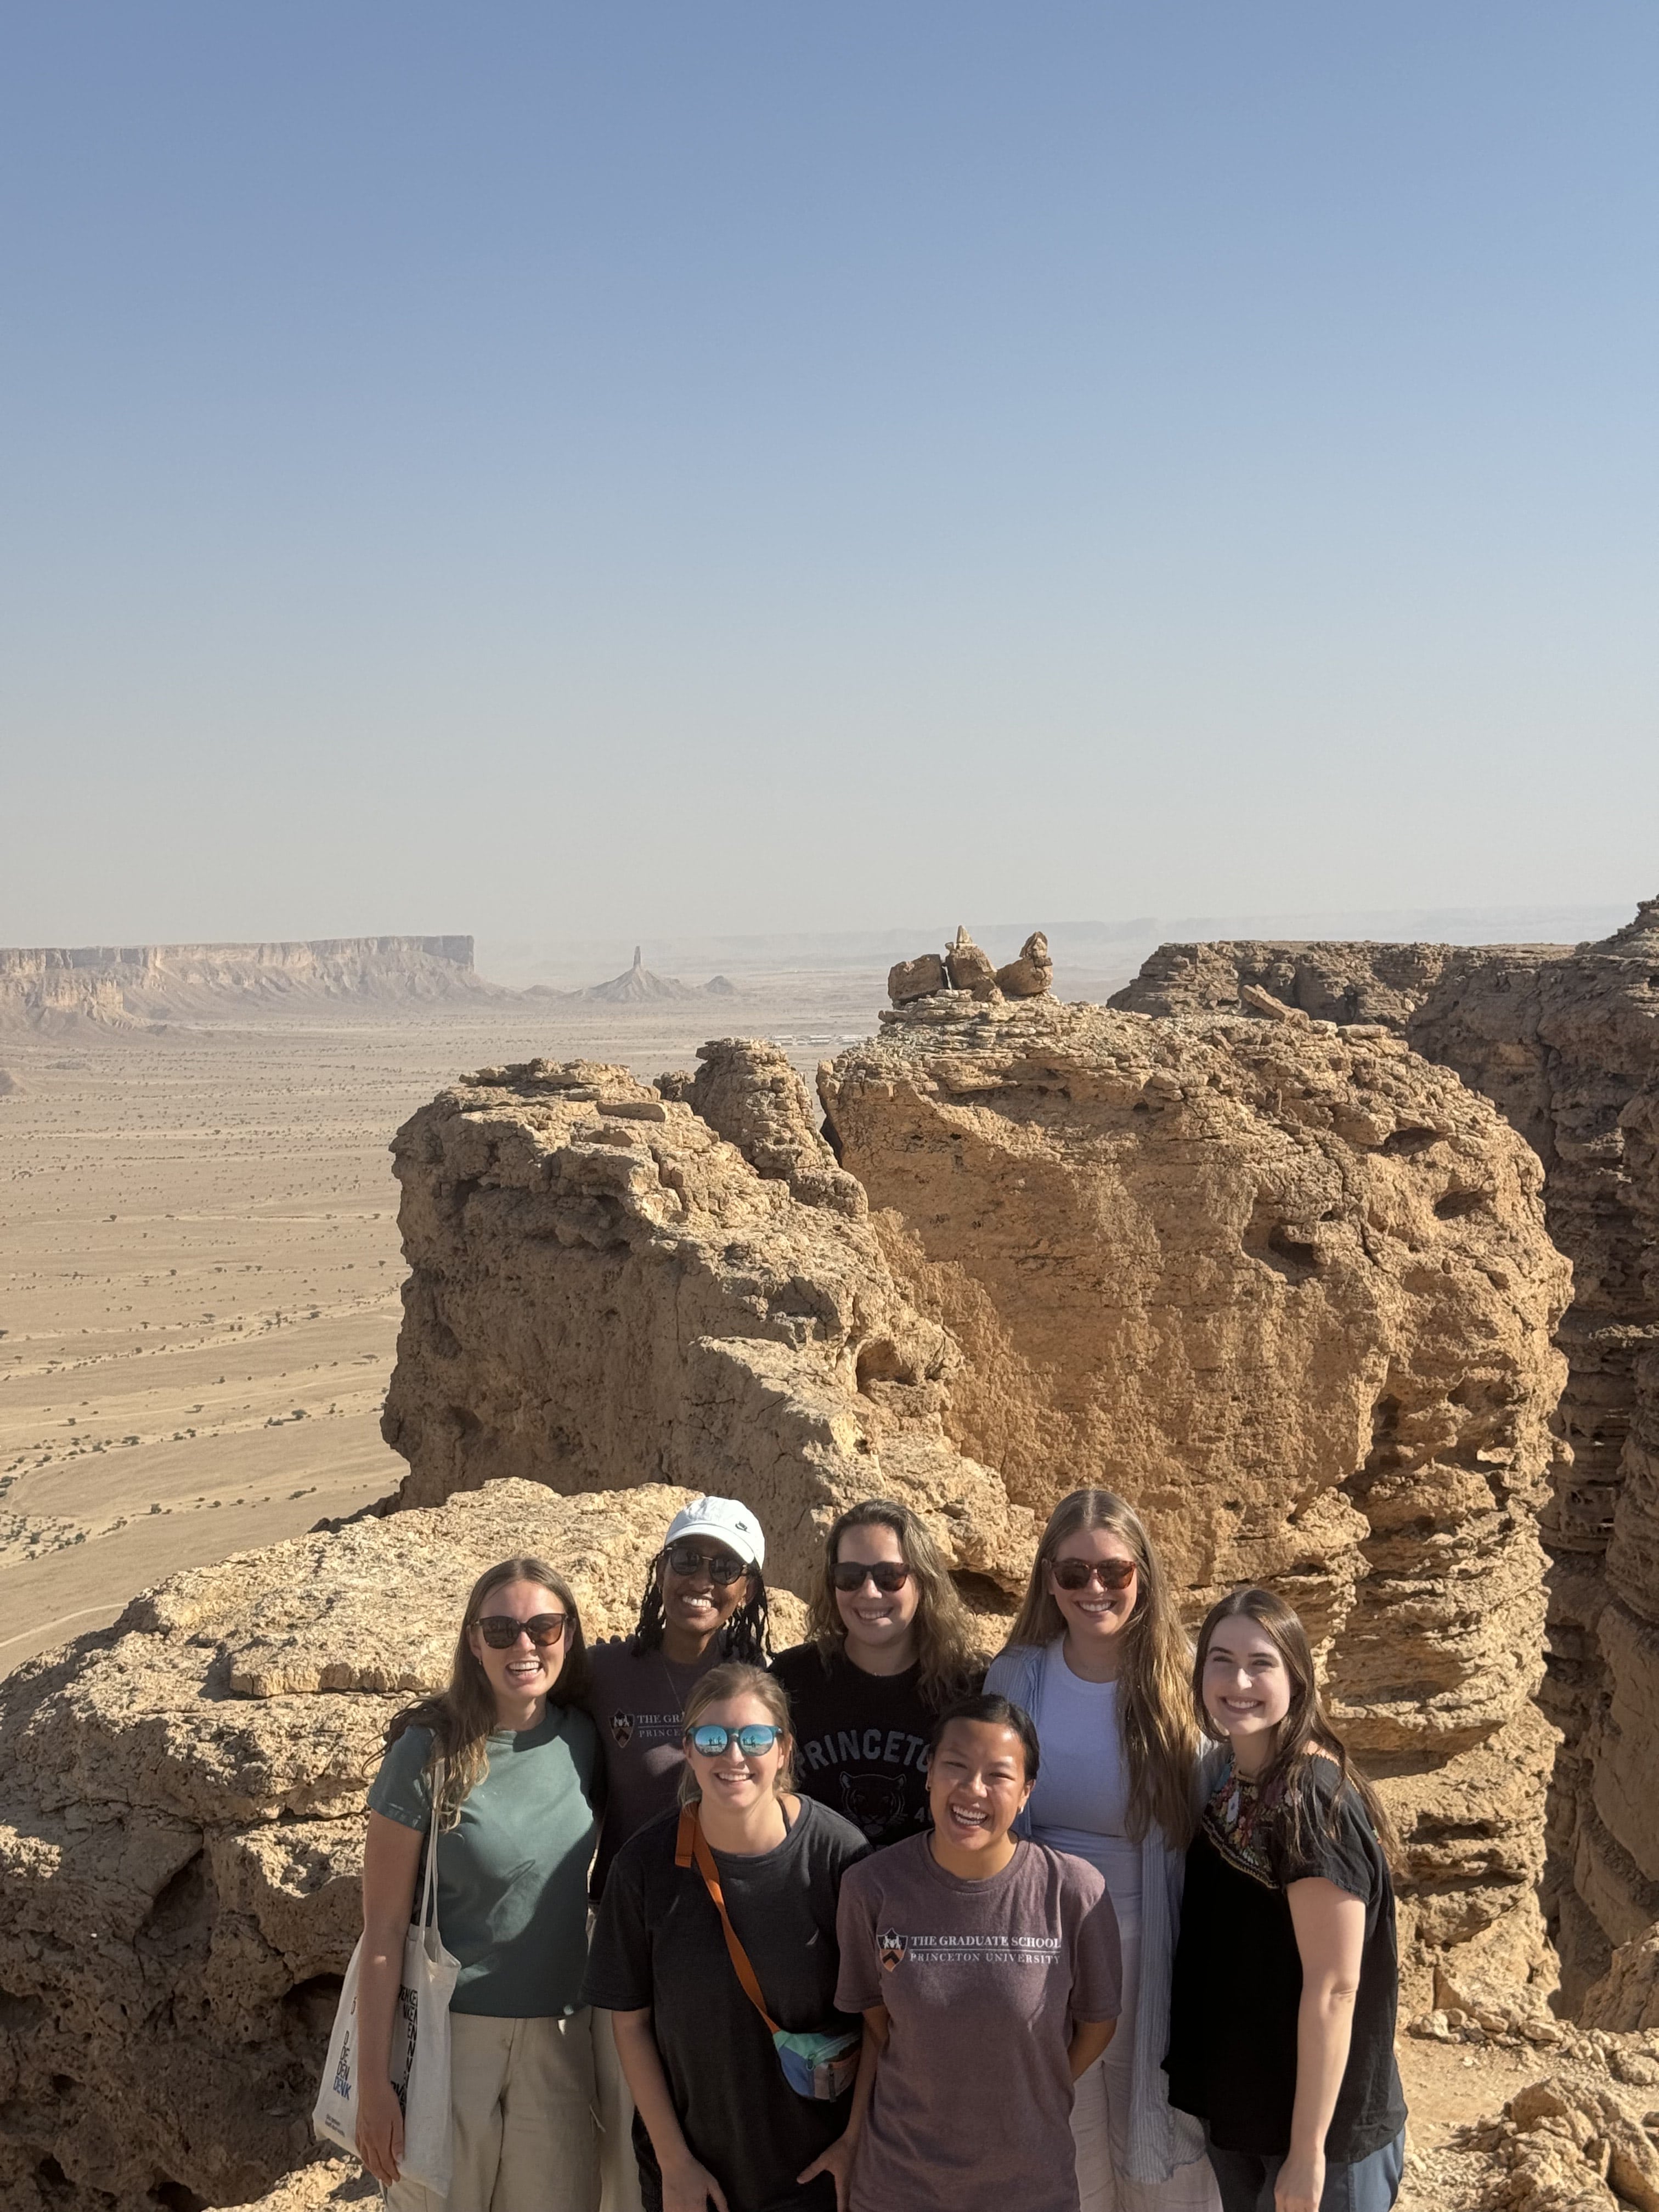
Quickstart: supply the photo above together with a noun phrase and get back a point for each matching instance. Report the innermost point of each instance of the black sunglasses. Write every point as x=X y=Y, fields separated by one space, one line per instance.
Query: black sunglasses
x=501 y=1632
x=1077 y=1574
x=724 y=1568
x=887 y=1575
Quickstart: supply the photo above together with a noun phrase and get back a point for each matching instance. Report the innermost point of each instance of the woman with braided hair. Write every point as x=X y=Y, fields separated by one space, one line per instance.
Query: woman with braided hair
x=704 y=1603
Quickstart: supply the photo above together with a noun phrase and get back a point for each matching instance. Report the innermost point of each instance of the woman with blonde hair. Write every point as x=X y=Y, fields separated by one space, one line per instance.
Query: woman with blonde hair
x=513 y=1759
x=890 y=1648
x=712 y=2049
x=1098 y=1657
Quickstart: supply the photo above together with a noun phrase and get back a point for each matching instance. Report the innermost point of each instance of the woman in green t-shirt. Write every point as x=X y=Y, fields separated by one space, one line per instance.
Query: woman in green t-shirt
x=516 y=1760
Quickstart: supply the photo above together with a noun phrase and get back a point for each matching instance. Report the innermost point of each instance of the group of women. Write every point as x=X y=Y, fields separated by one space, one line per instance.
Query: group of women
x=856 y=1930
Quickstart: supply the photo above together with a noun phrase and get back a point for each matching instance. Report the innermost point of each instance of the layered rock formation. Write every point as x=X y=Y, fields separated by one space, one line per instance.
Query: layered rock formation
x=964 y=968
x=1291 y=1291
x=604 y=1291
x=1565 y=1041
x=111 y=985
x=181 y=1830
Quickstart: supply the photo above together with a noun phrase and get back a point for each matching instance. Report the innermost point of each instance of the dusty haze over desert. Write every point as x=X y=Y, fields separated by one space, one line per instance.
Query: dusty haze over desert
x=199 y=1299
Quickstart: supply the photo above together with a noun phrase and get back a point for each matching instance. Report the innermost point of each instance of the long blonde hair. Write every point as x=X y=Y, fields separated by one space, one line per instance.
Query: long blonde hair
x=462 y=1715
x=945 y=1637
x=1155 y=1717
x=735 y=1678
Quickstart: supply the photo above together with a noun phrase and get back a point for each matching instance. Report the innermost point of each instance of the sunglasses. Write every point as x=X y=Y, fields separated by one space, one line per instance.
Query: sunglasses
x=724 y=1568
x=1077 y=1574
x=887 y=1575
x=501 y=1632
x=711 y=1740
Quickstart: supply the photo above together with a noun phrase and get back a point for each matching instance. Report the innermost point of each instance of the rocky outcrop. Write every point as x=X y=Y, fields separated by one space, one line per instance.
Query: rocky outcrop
x=750 y=1093
x=180 y=1836
x=603 y=1291
x=1580 y=2139
x=966 y=968
x=1290 y=1289
x=1565 y=1041
x=112 y=984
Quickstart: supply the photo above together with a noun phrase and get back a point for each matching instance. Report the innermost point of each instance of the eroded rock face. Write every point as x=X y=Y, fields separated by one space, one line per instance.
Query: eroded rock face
x=749 y=1093
x=1290 y=1291
x=603 y=1291
x=180 y=1836
x=1565 y=1041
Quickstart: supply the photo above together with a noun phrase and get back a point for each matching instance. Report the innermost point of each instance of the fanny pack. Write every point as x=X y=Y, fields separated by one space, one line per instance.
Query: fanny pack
x=821 y=2063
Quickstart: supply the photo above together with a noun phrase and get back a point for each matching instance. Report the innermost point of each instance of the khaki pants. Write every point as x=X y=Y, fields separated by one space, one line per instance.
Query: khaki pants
x=619 y=2167
x=521 y=2097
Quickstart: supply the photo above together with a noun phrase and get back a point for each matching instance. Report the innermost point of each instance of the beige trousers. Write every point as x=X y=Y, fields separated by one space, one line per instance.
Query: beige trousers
x=619 y=2168
x=521 y=2097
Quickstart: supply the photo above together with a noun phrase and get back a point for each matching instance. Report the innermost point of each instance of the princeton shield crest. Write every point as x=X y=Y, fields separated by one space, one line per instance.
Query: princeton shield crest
x=622 y=1728
x=893 y=1948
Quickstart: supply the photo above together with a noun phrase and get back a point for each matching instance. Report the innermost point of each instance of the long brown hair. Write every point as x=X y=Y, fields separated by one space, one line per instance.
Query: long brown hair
x=1154 y=1714
x=944 y=1638
x=735 y=1678
x=462 y=1715
x=1305 y=1729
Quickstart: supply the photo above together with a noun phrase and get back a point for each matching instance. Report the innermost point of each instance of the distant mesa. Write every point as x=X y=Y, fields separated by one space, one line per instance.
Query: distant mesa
x=638 y=985
x=115 y=987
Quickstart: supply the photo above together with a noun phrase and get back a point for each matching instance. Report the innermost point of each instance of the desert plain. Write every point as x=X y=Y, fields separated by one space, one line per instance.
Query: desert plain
x=200 y=1268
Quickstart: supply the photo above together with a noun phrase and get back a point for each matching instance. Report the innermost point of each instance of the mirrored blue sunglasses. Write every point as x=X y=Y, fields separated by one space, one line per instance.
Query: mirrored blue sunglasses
x=710 y=1740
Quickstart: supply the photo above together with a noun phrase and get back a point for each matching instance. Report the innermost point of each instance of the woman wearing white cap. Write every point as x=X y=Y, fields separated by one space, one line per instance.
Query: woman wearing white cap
x=704 y=1603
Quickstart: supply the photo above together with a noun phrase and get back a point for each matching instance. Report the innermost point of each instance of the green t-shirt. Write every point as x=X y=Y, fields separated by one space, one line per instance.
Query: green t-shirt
x=513 y=1877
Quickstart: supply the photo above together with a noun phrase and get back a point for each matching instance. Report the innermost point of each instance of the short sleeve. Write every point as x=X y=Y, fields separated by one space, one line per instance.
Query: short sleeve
x=401 y=1789
x=1339 y=1848
x=618 y=1977
x=857 y=1984
x=1098 y=1965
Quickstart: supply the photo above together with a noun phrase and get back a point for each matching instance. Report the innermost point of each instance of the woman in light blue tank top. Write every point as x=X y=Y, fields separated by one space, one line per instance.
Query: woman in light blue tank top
x=1099 y=1659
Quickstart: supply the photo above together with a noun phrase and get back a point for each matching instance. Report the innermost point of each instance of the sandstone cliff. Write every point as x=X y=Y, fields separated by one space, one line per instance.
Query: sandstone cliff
x=1565 y=1041
x=602 y=1291
x=113 y=985
x=1291 y=1291
x=181 y=1837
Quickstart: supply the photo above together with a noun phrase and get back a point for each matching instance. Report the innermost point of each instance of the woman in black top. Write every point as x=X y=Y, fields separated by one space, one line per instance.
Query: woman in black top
x=892 y=1647
x=1286 y=1972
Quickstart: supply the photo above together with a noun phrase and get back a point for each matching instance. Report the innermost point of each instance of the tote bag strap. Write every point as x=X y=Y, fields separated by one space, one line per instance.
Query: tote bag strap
x=429 y=1887
x=690 y=1844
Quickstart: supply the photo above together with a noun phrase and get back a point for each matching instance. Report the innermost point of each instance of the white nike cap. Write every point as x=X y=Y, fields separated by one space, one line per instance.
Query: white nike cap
x=725 y=1517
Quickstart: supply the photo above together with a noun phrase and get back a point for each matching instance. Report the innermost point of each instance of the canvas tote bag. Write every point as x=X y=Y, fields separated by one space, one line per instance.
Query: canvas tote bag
x=420 y=2041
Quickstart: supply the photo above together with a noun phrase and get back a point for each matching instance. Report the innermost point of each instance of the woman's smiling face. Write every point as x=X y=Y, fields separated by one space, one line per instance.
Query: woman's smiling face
x=734 y=1779
x=1246 y=1685
x=976 y=1784
x=1099 y=1610
x=875 y=1619
x=523 y=1669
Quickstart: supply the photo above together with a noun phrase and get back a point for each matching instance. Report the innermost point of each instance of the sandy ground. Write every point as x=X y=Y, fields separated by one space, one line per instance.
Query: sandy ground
x=199 y=1269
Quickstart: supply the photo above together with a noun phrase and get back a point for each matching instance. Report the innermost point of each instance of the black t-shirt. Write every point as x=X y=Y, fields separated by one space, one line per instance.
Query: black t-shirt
x=860 y=1741
x=659 y=1943
x=1238 y=1981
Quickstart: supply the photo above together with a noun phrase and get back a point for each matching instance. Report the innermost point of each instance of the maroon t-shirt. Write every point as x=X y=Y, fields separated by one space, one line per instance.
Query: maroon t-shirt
x=982 y=1981
x=637 y=1702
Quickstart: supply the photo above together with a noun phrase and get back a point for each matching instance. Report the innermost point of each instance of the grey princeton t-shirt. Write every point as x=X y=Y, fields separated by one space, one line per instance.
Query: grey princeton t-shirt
x=637 y=1702
x=982 y=1982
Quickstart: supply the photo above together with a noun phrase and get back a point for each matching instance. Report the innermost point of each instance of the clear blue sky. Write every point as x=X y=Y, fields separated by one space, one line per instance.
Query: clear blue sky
x=536 y=468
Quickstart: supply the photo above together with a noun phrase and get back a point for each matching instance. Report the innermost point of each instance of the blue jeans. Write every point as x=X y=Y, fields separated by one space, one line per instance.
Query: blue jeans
x=1369 y=2184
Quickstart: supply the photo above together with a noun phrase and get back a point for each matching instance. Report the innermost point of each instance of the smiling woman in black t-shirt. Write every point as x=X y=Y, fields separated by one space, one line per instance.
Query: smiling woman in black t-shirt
x=1286 y=1972
x=890 y=1649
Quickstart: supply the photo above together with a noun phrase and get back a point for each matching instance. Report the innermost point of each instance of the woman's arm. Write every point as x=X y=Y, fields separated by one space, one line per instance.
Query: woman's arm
x=838 y=2158
x=1330 y=1935
x=391 y=1857
x=1089 y=2039
x=686 y=2186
